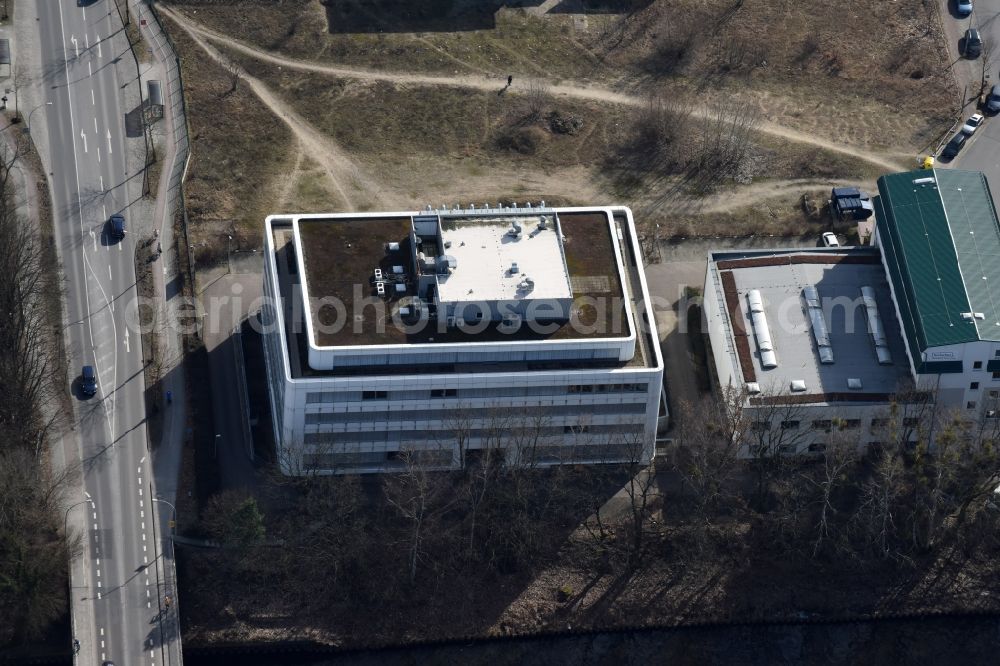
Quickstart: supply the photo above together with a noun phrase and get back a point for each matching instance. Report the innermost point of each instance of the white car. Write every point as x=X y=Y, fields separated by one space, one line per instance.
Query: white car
x=830 y=240
x=973 y=123
x=963 y=7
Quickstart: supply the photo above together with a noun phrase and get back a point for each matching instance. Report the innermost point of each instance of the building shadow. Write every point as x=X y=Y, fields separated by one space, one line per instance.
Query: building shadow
x=367 y=16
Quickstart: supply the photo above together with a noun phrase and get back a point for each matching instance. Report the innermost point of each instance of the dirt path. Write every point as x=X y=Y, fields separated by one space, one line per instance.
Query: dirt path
x=287 y=184
x=749 y=195
x=344 y=174
x=495 y=83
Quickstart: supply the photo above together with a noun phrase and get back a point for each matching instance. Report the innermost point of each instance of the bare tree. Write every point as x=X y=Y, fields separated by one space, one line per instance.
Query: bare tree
x=233 y=74
x=839 y=457
x=416 y=493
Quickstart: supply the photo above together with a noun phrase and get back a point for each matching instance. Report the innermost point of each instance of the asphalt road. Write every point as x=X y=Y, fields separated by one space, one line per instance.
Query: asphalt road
x=128 y=616
x=982 y=153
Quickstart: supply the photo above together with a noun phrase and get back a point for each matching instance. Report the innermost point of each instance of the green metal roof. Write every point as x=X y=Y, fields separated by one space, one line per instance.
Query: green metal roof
x=941 y=242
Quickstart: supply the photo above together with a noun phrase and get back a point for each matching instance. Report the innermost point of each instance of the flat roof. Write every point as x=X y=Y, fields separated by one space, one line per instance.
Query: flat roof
x=941 y=237
x=780 y=276
x=341 y=252
x=486 y=249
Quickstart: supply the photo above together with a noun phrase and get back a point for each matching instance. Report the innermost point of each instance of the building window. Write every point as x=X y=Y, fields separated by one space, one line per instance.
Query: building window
x=444 y=393
x=974 y=386
x=374 y=395
x=977 y=365
x=996 y=375
x=879 y=423
x=760 y=426
x=971 y=404
x=822 y=424
x=996 y=354
x=569 y=429
x=789 y=425
x=992 y=413
x=786 y=449
x=995 y=394
x=817 y=447
x=911 y=421
x=850 y=424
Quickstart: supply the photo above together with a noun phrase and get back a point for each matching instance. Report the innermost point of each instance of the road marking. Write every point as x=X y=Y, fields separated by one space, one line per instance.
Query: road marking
x=84 y=12
x=109 y=140
x=109 y=272
x=140 y=492
x=98 y=154
x=93 y=100
x=99 y=584
x=95 y=526
x=86 y=40
x=138 y=470
x=72 y=38
x=147 y=583
x=102 y=645
x=147 y=591
x=87 y=494
x=145 y=560
x=93 y=237
x=140 y=479
x=84 y=137
x=98 y=561
x=147 y=604
x=102 y=631
x=102 y=191
x=144 y=536
x=95 y=125
x=99 y=54
x=140 y=504
x=103 y=656
x=142 y=514
x=144 y=547
x=98 y=573
x=90 y=69
x=98 y=596
x=142 y=525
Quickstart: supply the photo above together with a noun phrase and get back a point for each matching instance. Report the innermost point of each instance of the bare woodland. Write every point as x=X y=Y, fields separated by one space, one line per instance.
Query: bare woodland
x=33 y=551
x=516 y=548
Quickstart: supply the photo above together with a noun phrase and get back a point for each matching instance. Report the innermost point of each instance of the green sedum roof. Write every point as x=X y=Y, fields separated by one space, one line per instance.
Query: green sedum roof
x=941 y=241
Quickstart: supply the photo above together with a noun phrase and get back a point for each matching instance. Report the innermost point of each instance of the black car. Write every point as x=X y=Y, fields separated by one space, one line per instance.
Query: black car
x=972 y=45
x=88 y=381
x=117 y=226
x=954 y=145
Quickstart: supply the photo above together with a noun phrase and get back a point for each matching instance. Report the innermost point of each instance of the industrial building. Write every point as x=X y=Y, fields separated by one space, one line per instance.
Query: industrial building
x=434 y=337
x=819 y=341
x=940 y=243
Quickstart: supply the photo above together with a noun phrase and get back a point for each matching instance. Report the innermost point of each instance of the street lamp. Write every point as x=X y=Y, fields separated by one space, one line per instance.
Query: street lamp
x=215 y=454
x=70 y=508
x=173 y=520
x=27 y=125
x=229 y=255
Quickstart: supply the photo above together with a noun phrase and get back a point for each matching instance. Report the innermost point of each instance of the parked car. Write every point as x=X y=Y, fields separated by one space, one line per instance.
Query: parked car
x=117 y=226
x=972 y=124
x=830 y=239
x=993 y=101
x=972 y=44
x=955 y=145
x=88 y=381
x=963 y=7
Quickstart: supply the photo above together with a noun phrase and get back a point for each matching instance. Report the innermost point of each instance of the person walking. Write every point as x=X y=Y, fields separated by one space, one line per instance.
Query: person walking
x=510 y=79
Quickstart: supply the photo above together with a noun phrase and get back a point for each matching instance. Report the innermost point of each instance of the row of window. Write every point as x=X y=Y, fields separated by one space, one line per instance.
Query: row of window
x=455 y=418
x=324 y=397
x=829 y=424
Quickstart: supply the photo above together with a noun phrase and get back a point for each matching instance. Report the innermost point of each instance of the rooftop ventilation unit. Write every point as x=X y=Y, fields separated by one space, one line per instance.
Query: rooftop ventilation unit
x=820 y=332
x=768 y=359
x=854 y=383
x=875 y=329
x=928 y=180
x=798 y=385
x=514 y=270
x=753 y=388
x=392 y=247
x=526 y=285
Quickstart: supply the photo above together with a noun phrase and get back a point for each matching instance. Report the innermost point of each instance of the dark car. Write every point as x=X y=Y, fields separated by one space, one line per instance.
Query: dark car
x=972 y=44
x=954 y=145
x=117 y=226
x=88 y=381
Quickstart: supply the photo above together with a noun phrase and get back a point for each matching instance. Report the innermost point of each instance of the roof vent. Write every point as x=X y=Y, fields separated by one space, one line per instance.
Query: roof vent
x=798 y=385
x=753 y=388
x=543 y=223
x=514 y=270
x=928 y=180
x=875 y=329
x=819 y=330
x=854 y=383
x=767 y=357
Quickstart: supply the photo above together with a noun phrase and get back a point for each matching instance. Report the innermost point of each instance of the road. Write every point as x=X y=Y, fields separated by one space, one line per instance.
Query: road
x=983 y=151
x=124 y=616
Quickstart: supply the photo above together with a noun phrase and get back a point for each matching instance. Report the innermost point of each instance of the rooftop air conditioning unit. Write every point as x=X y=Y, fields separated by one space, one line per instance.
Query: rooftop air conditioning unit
x=392 y=247
x=753 y=388
x=798 y=385
x=854 y=383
